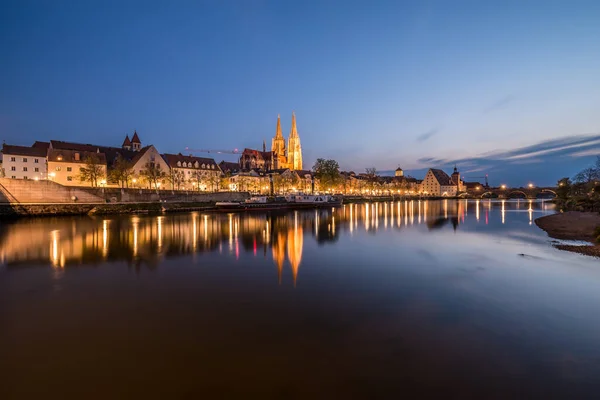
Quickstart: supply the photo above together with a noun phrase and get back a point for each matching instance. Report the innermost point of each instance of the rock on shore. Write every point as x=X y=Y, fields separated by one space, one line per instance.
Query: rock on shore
x=572 y=225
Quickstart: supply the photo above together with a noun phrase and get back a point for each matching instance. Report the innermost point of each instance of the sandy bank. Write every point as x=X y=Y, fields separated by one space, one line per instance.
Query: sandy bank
x=572 y=225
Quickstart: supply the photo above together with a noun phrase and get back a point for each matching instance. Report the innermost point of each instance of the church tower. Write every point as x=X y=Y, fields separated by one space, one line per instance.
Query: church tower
x=278 y=144
x=294 y=158
x=456 y=179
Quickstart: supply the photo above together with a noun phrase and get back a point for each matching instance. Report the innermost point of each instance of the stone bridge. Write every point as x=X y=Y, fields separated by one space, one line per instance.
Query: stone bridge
x=511 y=193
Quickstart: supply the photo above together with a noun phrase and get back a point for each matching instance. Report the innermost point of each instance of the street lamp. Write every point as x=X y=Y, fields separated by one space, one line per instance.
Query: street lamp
x=502 y=187
x=530 y=185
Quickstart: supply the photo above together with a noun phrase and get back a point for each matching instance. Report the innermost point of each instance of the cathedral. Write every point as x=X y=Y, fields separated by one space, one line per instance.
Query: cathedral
x=280 y=156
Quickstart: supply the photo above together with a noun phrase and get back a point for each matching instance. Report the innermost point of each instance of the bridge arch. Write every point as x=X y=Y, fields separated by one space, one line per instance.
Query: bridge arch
x=463 y=194
x=487 y=194
x=514 y=192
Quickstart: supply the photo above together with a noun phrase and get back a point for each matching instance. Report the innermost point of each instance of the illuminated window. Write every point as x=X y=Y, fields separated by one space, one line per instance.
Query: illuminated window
x=58 y=168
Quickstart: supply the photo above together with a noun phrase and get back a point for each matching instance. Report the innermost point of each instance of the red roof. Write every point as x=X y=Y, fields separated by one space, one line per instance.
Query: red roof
x=135 y=138
x=127 y=142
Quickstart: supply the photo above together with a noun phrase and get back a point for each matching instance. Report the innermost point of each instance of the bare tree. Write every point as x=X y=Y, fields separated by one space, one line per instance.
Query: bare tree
x=92 y=171
x=122 y=171
x=153 y=174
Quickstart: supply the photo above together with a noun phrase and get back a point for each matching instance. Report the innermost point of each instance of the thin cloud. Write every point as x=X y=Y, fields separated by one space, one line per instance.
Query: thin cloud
x=587 y=153
x=500 y=103
x=553 y=150
x=427 y=135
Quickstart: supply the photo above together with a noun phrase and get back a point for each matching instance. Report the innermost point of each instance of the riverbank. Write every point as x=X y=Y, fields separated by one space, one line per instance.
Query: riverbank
x=53 y=210
x=573 y=225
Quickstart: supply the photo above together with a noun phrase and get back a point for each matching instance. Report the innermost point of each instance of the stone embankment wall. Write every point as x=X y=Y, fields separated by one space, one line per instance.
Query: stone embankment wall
x=48 y=192
x=113 y=195
x=43 y=192
x=46 y=198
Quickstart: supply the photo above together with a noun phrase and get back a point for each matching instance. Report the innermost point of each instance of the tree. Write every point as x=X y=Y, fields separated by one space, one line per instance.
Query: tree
x=153 y=174
x=177 y=178
x=214 y=180
x=92 y=171
x=372 y=177
x=588 y=175
x=327 y=172
x=122 y=171
x=563 y=190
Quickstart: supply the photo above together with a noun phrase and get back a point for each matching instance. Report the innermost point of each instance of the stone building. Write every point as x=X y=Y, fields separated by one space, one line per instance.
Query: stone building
x=438 y=183
x=131 y=150
x=280 y=156
x=65 y=166
x=22 y=162
x=193 y=173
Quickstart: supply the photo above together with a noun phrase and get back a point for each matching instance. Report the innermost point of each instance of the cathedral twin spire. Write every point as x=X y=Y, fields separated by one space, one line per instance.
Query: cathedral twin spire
x=290 y=157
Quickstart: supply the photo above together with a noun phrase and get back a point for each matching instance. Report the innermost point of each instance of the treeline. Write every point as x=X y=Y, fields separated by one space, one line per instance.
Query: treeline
x=582 y=193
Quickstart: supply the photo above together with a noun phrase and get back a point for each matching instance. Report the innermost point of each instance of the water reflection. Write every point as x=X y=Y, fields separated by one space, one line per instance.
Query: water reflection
x=145 y=240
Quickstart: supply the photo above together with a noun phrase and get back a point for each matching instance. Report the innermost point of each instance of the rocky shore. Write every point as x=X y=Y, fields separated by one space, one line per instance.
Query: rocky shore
x=573 y=225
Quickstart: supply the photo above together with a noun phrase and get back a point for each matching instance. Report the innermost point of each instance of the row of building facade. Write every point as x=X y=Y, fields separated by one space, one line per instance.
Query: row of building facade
x=278 y=170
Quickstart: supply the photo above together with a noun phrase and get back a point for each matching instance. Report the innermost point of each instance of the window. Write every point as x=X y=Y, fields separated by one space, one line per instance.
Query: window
x=58 y=168
x=25 y=177
x=13 y=159
x=13 y=177
x=37 y=169
x=81 y=169
x=179 y=163
x=212 y=166
x=69 y=178
x=24 y=159
x=24 y=169
x=69 y=169
x=203 y=166
x=36 y=161
x=13 y=168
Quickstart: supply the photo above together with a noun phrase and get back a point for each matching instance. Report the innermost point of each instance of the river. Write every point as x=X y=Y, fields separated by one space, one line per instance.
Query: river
x=465 y=298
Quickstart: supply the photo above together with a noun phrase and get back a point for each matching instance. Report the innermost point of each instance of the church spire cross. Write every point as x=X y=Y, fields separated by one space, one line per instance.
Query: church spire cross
x=294 y=130
x=278 y=131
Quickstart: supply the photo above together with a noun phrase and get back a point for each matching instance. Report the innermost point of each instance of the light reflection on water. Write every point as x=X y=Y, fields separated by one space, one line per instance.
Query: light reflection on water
x=142 y=240
x=363 y=300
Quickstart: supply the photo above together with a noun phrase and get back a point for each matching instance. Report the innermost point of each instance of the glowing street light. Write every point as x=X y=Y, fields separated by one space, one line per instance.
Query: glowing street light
x=530 y=185
x=502 y=187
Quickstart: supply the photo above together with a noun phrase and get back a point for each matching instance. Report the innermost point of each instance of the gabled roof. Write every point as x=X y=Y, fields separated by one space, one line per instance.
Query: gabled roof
x=304 y=172
x=398 y=169
x=441 y=177
x=56 y=155
x=127 y=142
x=173 y=159
x=111 y=153
x=135 y=138
x=41 y=145
x=227 y=166
x=24 y=151
x=279 y=171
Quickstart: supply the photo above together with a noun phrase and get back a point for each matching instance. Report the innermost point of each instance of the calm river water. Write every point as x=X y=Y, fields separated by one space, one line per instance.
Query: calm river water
x=364 y=301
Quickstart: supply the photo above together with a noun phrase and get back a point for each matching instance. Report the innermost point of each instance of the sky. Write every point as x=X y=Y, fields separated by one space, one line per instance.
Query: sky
x=486 y=85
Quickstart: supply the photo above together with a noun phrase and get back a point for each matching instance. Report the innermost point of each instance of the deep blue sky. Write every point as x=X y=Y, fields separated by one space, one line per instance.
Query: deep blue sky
x=373 y=83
